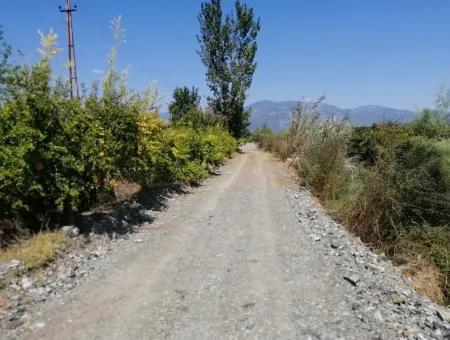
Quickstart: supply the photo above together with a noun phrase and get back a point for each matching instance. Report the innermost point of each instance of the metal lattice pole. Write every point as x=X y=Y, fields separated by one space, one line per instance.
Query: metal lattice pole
x=73 y=80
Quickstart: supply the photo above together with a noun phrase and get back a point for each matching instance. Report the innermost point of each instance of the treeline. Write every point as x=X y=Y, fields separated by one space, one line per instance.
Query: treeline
x=388 y=183
x=60 y=156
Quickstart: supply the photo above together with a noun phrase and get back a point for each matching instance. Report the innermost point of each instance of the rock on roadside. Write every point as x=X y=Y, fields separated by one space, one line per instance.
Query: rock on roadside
x=382 y=298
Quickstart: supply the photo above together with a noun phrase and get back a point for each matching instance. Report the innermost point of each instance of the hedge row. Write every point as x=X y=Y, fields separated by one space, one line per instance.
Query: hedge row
x=60 y=155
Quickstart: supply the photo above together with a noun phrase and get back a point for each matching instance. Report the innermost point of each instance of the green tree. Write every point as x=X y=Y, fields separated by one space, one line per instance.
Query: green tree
x=228 y=49
x=184 y=101
x=5 y=65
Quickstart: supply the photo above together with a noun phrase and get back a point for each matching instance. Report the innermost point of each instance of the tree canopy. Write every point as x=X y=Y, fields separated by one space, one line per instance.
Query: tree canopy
x=228 y=49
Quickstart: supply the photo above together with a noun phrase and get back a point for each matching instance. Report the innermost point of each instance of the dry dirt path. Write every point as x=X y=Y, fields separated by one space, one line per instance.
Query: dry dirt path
x=231 y=261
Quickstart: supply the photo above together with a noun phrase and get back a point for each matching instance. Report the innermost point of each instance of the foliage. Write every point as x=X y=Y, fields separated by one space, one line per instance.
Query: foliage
x=263 y=137
x=443 y=102
x=216 y=145
x=201 y=118
x=405 y=182
x=228 y=49
x=381 y=141
x=185 y=100
x=5 y=65
x=180 y=153
x=388 y=183
x=317 y=148
x=432 y=125
x=428 y=243
x=60 y=156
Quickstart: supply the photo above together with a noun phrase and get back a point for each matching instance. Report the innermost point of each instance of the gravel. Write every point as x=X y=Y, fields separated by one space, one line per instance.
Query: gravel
x=249 y=255
x=379 y=289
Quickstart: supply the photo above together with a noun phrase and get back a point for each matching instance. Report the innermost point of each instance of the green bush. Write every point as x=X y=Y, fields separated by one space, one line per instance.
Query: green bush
x=430 y=124
x=60 y=156
x=322 y=166
x=379 y=142
x=180 y=153
x=216 y=145
x=422 y=178
x=263 y=136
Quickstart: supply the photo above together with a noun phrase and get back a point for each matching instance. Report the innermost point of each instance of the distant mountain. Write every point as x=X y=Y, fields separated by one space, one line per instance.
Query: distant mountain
x=278 y=114
x=369 y=114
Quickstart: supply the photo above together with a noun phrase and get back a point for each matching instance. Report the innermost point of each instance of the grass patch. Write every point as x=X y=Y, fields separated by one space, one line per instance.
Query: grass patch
x=36 y=251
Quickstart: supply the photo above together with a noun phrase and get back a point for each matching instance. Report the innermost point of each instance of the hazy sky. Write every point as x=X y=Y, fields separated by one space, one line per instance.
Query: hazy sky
x=389 y=52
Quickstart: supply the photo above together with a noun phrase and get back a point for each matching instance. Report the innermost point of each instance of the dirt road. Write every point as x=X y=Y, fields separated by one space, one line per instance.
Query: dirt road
x=231 y=261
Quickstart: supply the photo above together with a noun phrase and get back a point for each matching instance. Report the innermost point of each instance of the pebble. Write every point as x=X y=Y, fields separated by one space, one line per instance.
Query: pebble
x=352 y=278
x=26 y=283
x=443 y=314
x=335 y=244
x=14 y=264
x=398 y=299
x=71 y=230
x=377 y=316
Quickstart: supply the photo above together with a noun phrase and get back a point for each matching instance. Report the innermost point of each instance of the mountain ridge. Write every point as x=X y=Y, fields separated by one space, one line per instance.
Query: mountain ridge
x=277 y=114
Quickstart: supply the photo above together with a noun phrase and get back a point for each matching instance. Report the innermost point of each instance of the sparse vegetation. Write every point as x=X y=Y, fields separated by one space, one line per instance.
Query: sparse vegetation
x=388 y=183
x=36 y=251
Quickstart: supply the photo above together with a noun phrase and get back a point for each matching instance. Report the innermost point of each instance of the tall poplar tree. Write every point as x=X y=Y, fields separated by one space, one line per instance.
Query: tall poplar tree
x=228 y=49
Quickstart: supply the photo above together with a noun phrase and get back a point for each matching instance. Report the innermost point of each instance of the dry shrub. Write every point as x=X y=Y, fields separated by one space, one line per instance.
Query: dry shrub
x=424 y=250
x=426 y=281
x=37 y=251
x=372 y=211
x=321 y=167
x=124 y=190
x=317 y=148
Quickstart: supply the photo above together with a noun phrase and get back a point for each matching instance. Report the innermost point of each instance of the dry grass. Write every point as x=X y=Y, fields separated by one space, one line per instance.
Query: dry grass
x=36 y=251
x=424 y=254
x=427 y=280
x=124 y=190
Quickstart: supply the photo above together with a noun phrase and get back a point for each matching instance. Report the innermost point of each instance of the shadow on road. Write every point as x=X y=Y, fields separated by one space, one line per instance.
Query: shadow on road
x=125 y=216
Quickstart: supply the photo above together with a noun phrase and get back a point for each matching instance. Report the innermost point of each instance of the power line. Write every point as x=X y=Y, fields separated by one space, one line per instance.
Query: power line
x=73 y=80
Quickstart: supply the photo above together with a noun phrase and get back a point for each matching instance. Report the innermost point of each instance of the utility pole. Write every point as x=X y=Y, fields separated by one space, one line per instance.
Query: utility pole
x=73 y=81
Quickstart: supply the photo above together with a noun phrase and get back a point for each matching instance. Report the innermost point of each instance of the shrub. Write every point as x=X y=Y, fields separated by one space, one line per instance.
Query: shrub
x=379 y=142
x=181 y=153
x=60 y=156
x=373 y=210
x=422 y=179
x=216 y=145
x=197 y=118
x=429 y=244
x=321 y=166
x=432 y=125
x=395 y=193
x=263 y=137
x=388 y=183
x=184 y=101
x=185 y=154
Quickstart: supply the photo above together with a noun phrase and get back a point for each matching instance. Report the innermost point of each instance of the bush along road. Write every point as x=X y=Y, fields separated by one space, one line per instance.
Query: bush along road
x=248 y=254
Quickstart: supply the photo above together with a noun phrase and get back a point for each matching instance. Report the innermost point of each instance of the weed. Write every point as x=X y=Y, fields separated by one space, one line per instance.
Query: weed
x=36 y=251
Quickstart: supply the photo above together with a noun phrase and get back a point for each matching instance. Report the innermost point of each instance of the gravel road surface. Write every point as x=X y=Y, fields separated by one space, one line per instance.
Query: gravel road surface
x=248 y=255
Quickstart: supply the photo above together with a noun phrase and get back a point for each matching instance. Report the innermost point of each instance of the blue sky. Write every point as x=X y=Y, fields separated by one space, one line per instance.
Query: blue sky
x=394 y=53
